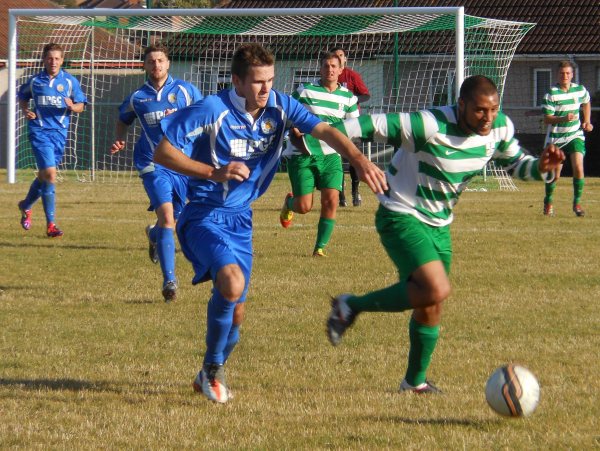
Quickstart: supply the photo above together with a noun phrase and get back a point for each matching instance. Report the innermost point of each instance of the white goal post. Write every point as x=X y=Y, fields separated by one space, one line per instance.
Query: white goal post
x=410 y=58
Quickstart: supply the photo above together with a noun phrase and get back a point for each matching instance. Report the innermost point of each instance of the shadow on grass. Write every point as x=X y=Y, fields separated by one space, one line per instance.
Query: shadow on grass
x=477 y=424
x=53 y=243
x=75 y=385
x=54 y=384
x=141 y=301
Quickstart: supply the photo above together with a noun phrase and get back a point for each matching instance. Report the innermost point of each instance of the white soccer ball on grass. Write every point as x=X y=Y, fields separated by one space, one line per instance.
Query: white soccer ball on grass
x=513 y=391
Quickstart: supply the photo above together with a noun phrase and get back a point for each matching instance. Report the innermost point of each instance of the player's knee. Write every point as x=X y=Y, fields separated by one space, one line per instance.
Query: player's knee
x=166 y=222
x=164 y=216
x=329 y=206
x=231 y=282
x=303 y=207
x=47 y=175
x=439 y=292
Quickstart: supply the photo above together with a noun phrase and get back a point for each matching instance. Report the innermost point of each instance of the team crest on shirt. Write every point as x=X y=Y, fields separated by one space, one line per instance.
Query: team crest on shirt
x=267 y=126
x=60 y=88
x=172 y=97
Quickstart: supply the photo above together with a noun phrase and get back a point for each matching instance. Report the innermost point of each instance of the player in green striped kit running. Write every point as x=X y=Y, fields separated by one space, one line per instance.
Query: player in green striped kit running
x=440 y=150
x=313 y=163
x=561 y=107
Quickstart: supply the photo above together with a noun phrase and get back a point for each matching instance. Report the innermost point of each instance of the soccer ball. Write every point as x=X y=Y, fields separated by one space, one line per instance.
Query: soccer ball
x=512 y=391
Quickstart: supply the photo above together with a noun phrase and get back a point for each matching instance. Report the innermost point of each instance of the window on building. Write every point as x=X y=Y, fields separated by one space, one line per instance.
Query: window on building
x=212 y=80
x=303 y=75
x=542 y=80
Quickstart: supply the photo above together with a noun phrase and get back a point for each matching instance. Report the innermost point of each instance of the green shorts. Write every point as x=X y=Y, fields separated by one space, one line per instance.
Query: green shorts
x=308 y=172
x=573 y=146
x=411 y=243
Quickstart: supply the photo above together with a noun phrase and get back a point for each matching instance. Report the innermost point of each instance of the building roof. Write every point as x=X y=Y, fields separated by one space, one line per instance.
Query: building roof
x=114 y=4
x=5 y=5
x=562 y=27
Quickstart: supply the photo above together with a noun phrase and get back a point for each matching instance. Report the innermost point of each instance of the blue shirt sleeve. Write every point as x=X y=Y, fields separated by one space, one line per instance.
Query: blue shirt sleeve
x=25 y=90
x=126 y=113
x=183 y=126
x=196 y=94
x=77 y=95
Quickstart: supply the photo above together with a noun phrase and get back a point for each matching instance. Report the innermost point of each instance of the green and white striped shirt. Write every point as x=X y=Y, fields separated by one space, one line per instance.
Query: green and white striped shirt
x=436 y=159
x=331 y=107
x=560 y=103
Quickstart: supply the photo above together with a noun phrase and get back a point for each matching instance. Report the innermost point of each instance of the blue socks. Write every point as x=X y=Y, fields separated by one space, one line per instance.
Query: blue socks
x=48 y=199
x=232 y=340
x=35 y=192
x=165 y=245
x=220 y=340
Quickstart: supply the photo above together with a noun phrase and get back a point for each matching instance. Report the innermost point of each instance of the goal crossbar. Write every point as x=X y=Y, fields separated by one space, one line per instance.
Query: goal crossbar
x=322 y=23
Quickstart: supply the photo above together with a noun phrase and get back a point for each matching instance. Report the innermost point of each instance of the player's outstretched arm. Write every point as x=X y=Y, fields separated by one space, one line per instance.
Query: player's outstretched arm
x=171 y=157
x=551 y=158
x=366 y=171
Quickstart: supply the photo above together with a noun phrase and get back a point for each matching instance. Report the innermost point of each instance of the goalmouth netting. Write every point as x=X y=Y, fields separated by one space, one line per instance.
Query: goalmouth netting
x=410 y=59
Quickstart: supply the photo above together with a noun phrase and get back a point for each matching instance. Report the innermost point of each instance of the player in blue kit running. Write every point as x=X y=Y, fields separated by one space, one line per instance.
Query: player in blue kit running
x=55 y=95
x=236 y=139
x=160 y=96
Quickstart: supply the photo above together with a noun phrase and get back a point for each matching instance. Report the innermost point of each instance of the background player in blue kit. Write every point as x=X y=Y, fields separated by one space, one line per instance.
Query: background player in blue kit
x=160 y=96
x=55 y=95
x=236 y=139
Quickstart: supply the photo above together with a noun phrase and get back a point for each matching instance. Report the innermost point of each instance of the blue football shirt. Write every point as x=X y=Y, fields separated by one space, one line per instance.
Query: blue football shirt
x=150 y=106
x=220 y=131
x=48 y=96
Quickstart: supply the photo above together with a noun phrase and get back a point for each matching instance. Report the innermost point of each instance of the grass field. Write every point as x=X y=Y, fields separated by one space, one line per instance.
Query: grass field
x=92 y=358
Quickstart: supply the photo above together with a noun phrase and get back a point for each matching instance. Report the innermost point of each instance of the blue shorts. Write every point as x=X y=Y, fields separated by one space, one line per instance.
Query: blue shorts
x=163 y=186
x=48 y=146
x=212 y=238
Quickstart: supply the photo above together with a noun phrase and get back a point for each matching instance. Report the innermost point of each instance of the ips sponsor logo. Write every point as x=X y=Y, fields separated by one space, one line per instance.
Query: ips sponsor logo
x=55 y=101
x=153 y=117
x=249 y=149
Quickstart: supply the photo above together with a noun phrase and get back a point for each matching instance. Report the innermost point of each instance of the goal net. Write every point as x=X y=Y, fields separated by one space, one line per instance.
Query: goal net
x=409 y=58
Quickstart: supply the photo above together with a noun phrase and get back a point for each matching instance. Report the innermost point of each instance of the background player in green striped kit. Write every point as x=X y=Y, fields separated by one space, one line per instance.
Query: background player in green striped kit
x=561 y=107
x=313 y=163
x=440 y=150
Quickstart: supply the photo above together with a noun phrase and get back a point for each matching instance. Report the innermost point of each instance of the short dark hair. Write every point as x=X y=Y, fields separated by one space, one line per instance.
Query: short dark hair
x=566 y=63
x=250 y=55
x=326 y=56
x=51 y=47
x=477 y=84
x=155 y=48
x=337 y=49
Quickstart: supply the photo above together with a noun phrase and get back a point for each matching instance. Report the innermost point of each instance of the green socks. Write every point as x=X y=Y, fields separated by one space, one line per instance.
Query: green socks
x=423 y=339
x=324 y=232
x=391 y=299
x=577 y=190
x=422 y=343
x=550 y=187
